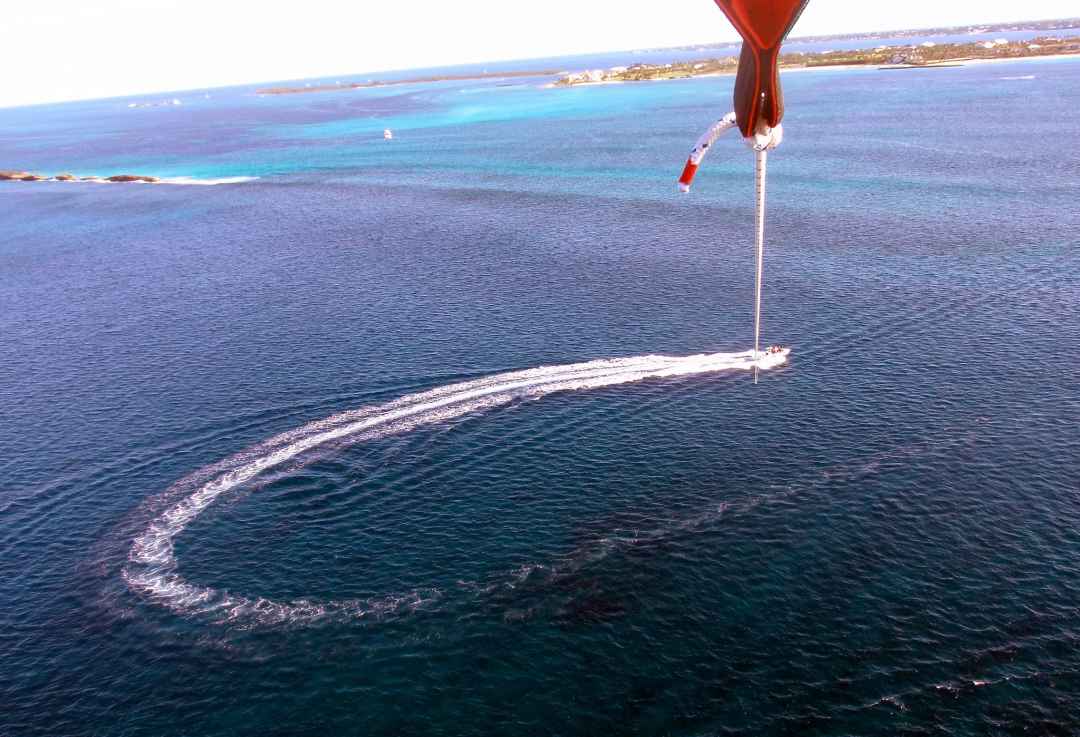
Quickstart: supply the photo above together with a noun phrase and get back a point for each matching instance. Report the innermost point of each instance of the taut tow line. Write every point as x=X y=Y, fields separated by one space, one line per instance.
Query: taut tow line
x=759 y=108
x=761 y=159
x=763 y=139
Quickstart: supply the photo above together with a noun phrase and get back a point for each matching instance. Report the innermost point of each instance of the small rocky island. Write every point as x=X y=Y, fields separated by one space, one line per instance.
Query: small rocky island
x=25 y=176
x=925 y=55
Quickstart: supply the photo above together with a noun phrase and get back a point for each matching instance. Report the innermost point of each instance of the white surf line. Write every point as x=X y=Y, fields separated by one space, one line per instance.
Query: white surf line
x=151 y=570
x=196 y=182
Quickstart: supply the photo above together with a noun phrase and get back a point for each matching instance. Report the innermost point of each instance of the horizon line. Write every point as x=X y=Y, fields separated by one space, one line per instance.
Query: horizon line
x=853 y=35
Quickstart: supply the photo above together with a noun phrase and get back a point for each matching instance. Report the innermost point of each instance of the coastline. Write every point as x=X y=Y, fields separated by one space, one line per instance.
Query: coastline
x=1050 y=57
x=712 y=68
x=28 y=177
x=830 y=67
x=344 y=87
x=888 y=56
x=891 y=57
x=927 y=55
x=821 y=68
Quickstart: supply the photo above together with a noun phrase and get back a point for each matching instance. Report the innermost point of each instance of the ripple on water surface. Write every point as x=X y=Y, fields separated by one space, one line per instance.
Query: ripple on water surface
x=879 y=538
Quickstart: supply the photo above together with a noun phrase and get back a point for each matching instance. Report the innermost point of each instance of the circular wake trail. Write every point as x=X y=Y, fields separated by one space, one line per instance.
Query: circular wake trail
x=151 y=570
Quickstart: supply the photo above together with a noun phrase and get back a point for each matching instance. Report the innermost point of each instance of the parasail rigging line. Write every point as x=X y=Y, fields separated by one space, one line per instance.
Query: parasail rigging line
x=761 y=159
x=759 y=108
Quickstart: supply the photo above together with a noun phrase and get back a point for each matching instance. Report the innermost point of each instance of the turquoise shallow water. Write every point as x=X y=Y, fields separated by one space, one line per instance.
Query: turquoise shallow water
x=879 y=537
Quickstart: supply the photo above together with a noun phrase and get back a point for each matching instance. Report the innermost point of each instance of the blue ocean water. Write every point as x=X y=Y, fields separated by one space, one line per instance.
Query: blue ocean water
x=878 y=538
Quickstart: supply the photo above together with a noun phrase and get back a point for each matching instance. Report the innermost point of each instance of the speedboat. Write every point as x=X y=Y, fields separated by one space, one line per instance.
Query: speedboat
x=774 y=355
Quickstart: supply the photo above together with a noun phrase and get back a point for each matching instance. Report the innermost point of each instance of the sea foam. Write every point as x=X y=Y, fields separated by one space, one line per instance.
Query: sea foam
x=151 y=569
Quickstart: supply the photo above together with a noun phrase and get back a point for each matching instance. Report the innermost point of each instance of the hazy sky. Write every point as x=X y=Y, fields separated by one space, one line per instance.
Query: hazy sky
x=74 y=49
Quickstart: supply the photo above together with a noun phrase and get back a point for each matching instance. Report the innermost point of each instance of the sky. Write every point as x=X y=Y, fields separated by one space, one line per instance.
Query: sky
x=73 y=49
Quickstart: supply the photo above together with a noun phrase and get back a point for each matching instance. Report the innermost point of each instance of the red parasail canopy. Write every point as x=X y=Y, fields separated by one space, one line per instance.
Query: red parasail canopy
x=763 y=24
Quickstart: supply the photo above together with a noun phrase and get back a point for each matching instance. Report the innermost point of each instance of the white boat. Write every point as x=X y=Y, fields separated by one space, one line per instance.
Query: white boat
x=774 y=355
x=387 y=134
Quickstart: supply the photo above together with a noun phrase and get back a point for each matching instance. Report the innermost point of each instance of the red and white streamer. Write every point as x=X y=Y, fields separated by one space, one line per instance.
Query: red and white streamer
x=708 y=138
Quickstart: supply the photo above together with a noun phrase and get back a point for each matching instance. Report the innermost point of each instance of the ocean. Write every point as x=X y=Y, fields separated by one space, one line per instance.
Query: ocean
x=451 y=434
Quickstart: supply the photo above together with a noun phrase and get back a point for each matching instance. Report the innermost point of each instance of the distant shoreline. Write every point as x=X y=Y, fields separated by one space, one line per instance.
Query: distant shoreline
x=1052 y=24
x=342 y=86
x=927 y=55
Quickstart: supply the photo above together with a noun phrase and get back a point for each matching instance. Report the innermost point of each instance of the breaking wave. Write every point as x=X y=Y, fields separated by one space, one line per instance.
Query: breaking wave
x=205 y=182
x=151 y=568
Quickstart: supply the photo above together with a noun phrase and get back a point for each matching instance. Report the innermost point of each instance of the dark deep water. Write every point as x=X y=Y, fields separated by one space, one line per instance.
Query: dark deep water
x=878 y=538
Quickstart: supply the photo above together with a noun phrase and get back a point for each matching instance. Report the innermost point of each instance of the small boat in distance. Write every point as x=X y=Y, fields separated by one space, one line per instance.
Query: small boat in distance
x=388 y=134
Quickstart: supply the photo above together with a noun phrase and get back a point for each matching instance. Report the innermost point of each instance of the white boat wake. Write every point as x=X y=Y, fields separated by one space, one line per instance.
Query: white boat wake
x=151 y=569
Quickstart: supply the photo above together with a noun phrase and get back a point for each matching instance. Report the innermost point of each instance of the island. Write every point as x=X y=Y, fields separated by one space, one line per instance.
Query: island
x=921 y=56
x=25 y=176
x=891 y=57
x=339 y=86
x=924 y=55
